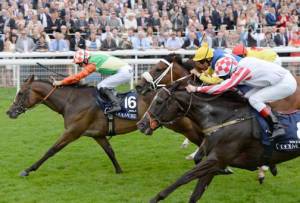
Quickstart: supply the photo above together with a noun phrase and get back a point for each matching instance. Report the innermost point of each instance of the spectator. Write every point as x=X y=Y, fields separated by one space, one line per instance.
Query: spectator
x=141 y=42
x=177 y=19
x=24 y=43
x=219 y=41
x=165 y=23
x=155 y=43
x=242 y=19
x=115 y=35
x=130 y=21
x=173 y=43
x=114 y=22
x=150 y=35
x=295 y=42
x=125 y=43
x=283 y=17
x=10 y=43
x=210 y=30
x=81 y=24
x=77 y=42
x=41 y=44
x=35 y=35
x=268 y=40
x=206 y=19
x=229 y=19
x=103 y=20
x=155 y=22
x=271 y=17
x=58 y=43
x=109 y=43
x=163 y=38
x=143 y=20
x=107 y=31
x=281 y=39
x=93 y=43
x=192 y=42
x=53 y=25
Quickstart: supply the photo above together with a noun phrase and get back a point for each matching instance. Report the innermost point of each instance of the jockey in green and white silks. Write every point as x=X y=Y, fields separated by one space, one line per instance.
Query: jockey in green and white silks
x=120 y=72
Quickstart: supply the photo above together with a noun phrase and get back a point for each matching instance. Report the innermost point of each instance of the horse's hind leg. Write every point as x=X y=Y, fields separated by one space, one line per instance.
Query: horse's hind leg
x=103 y=142
x=63 y=141
x=200 y=188
x=209 y=166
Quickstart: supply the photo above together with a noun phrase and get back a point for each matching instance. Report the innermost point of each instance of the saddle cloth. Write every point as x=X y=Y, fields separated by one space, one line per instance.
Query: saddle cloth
x=290 y=142
x=129 y=105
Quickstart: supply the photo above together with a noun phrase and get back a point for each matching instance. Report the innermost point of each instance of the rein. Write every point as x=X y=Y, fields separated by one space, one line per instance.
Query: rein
x=49 y=94
x=213 y=129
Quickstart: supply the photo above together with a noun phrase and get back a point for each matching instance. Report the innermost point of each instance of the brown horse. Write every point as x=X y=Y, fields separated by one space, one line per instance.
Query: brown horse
x=82 y=116
x=236 y=143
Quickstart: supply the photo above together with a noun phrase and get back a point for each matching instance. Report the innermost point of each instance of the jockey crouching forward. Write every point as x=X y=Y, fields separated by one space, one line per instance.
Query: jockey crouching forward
x=270 y=82
x=205 y=60
x=119 y=70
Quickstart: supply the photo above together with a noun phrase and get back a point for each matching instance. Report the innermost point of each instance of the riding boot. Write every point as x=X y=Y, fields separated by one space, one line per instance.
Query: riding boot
x=276 y=127
x=111 y=94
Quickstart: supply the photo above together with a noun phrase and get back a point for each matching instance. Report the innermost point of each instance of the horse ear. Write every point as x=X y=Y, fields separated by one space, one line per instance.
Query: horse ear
x=30 y=79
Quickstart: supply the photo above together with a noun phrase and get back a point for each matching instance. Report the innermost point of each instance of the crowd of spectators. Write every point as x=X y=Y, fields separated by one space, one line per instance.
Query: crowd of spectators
x=63 y=25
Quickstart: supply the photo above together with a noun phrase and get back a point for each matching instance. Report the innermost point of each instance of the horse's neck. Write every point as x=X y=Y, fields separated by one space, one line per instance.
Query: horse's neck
x=56 y=99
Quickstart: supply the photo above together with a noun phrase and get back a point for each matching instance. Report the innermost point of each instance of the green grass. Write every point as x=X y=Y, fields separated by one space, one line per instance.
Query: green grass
x=83 y=173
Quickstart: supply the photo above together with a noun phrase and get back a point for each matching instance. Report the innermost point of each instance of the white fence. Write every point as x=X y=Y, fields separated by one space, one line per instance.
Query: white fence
x=16 y=67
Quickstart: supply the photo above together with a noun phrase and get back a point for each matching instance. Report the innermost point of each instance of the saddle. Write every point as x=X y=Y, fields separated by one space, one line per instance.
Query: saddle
x=129 y=108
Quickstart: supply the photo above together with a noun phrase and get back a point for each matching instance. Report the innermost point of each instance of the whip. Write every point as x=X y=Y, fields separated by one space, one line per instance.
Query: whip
x=48 y=69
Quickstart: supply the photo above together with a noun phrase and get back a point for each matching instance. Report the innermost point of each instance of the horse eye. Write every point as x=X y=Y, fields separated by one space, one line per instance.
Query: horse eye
x=159 y=101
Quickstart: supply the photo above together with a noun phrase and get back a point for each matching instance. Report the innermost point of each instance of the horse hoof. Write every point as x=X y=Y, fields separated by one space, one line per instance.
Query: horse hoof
x=261 y=180
x=154 y=200
x=119 y=171
x=184 y=145
x=24 y=174
x=273 y=170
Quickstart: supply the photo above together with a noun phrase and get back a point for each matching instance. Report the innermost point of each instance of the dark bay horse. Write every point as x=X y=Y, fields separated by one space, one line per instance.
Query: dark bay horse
x=236 y=144
x=77 y=105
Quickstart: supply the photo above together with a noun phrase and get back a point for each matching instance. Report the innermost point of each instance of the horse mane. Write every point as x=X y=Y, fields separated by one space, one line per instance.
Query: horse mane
x=188 y=65
x=74 y=85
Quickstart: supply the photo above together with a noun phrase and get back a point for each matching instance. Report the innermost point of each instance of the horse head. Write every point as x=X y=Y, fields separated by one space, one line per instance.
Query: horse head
x=167 y=70
x=164 y=109
x=25 y=99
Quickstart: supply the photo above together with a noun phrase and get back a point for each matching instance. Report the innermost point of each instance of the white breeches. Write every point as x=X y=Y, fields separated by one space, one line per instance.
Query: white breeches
x=284 y=88
x=123 y=75
x=278 y=61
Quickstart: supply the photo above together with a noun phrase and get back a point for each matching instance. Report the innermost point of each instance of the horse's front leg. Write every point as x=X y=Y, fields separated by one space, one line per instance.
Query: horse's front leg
x=67 y=137
x=209 y=166
x=104 y=143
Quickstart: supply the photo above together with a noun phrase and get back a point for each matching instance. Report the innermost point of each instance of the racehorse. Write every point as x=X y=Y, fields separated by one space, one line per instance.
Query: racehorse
x=82 y=116
x=233 y=138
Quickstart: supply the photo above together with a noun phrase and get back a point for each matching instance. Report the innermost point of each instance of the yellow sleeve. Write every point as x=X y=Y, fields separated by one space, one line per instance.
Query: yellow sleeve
x=265 y=54
x=208 y=77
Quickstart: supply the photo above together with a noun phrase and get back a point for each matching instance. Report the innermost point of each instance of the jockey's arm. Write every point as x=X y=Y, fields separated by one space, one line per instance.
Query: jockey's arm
x=87 y=70
x=238 y=76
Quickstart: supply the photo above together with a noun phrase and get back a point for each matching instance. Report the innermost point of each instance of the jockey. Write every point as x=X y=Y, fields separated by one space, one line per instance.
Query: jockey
x=260 y=53
x=120 y=72
x=205 y=57
x=269 y=82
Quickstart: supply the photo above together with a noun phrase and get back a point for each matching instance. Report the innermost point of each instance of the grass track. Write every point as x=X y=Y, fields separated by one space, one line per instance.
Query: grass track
x=83 y=173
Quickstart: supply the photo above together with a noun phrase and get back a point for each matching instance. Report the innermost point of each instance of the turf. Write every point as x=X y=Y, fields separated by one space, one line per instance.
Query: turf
x=83 y=173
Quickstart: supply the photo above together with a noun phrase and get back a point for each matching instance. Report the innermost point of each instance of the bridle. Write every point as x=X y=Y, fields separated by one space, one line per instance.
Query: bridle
x=156 y=83
x=154 y=119
x=20 y=108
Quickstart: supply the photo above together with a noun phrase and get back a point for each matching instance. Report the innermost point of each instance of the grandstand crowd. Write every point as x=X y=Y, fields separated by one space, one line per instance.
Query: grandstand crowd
x=63 y=25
